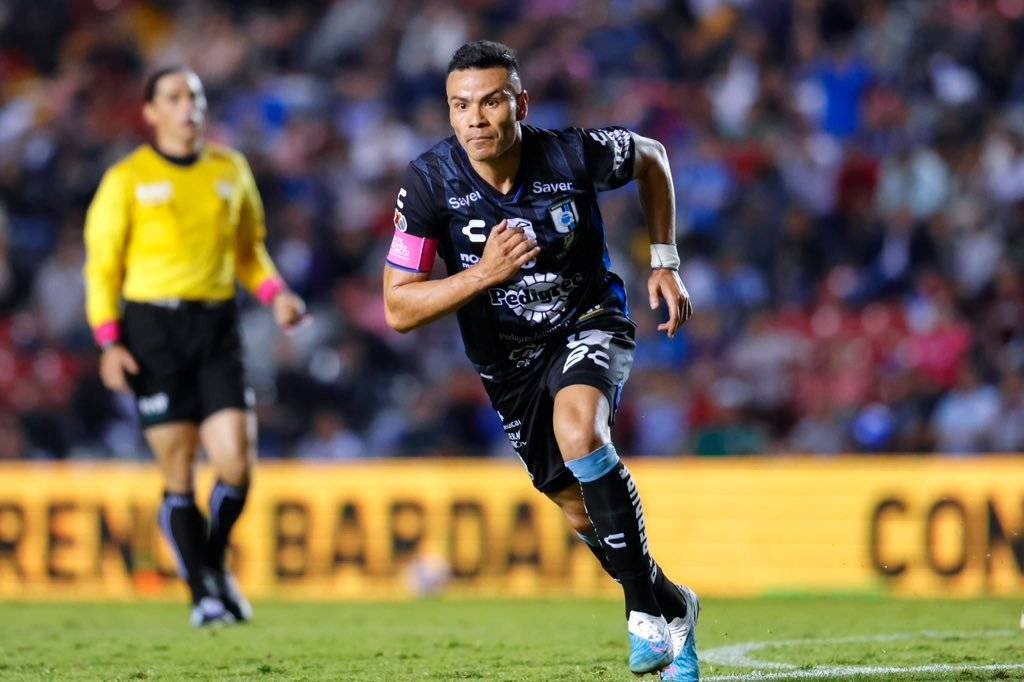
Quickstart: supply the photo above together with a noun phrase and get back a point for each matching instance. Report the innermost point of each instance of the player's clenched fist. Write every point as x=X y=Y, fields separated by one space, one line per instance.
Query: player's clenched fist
x=506 y=251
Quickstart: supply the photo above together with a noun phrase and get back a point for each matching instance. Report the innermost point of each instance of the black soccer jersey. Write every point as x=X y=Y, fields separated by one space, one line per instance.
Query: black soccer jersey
x=445 y=206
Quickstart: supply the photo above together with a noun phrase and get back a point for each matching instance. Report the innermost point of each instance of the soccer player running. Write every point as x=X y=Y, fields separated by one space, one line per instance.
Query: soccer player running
x=512 y=210
x=170 y=229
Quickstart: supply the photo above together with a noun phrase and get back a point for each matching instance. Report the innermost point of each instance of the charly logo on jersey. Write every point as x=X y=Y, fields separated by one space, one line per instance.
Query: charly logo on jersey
x=152 y=193
x=225 y=190
x=539 y=297
x=474 y=230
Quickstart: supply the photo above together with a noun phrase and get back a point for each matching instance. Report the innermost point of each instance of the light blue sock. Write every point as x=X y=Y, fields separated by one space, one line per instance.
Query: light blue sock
x=595 y=465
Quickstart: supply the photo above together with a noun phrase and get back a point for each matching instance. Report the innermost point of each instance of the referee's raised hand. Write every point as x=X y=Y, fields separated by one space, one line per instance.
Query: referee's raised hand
x=115 y=363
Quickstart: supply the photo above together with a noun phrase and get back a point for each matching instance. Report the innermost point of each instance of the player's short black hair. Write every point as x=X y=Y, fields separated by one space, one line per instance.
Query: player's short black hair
x=484 y=54
x=149 y=90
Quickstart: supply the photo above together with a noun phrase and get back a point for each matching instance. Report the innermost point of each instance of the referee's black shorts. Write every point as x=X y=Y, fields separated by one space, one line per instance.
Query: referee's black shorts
x=598 y=353
x=189 y=356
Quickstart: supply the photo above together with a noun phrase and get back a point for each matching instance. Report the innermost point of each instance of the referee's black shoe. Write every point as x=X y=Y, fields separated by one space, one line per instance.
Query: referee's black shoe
x=210 y=612
x=224 y=586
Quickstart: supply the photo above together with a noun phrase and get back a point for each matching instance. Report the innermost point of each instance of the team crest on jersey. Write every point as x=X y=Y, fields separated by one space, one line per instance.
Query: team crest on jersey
x=225 y=189
x=564 y=216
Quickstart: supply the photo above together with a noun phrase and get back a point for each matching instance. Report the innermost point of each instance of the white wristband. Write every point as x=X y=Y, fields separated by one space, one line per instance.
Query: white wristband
x=664 y=256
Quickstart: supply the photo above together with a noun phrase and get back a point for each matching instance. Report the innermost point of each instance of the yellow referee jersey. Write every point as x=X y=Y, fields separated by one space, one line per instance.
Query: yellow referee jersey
x=158 y=230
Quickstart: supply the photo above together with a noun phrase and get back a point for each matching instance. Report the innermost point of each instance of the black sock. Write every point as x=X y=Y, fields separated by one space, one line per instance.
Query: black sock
x=613 y=504
x=185 y=529
x=665 y=591
x=593 y=543
x=669 y=598
x=226 y=503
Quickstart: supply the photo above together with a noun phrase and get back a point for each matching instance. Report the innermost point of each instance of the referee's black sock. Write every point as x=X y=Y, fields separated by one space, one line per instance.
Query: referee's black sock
x=613 y=504
x=185 y=529
x=665 y=591
x=226 y=504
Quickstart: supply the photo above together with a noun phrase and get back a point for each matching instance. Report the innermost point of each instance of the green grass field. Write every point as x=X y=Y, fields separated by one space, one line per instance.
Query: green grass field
x=510 y=640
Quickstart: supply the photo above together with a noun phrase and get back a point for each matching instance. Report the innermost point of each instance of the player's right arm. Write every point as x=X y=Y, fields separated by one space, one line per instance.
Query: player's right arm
x=412 y=300
x=106 y=237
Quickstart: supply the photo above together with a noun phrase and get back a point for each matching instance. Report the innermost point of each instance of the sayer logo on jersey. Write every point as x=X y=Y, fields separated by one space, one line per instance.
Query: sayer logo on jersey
x=537 y=298
x=465 y=200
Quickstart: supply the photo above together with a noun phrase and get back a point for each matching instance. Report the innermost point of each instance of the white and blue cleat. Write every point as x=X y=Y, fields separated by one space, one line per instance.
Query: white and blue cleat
x=650 y=643
x=684 y=667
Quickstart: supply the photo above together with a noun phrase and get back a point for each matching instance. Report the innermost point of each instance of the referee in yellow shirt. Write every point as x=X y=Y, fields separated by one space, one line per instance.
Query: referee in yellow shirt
x=171 y=228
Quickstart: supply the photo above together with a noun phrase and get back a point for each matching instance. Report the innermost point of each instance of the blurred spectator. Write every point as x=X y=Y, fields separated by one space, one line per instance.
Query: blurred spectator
x=818 y=432
x=965 y=416
x=1006 y=432
x=330 y=439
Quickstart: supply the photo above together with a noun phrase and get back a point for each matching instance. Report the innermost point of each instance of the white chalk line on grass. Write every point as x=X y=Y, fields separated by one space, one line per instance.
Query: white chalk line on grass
x=835 y=672
x=738 y=655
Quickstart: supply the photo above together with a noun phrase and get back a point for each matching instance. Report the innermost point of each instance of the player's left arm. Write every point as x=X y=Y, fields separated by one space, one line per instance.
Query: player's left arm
x=658 y=202
x=253 y=265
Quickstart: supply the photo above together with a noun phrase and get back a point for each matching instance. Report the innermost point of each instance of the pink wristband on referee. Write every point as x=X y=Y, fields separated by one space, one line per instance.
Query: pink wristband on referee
x=107 y=333
x=269 y=289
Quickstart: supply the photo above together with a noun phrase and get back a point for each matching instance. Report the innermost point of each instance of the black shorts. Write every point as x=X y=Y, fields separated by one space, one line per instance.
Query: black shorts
x=189 y=357
x=597 y=353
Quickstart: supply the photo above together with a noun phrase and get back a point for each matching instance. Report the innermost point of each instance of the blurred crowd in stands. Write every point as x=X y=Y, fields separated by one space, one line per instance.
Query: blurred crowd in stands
x=849 y=178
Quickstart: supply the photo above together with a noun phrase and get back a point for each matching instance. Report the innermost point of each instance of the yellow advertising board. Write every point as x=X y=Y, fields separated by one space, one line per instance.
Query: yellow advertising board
x=743 y=526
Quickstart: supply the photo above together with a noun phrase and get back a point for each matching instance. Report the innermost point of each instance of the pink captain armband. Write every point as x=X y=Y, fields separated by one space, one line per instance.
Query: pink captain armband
x=269 y=289
x=409 y=252
x=107 y=334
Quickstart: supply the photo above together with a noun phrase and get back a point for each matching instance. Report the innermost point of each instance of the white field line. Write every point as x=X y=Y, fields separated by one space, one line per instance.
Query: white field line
x=738 y=655
x=839 y=672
